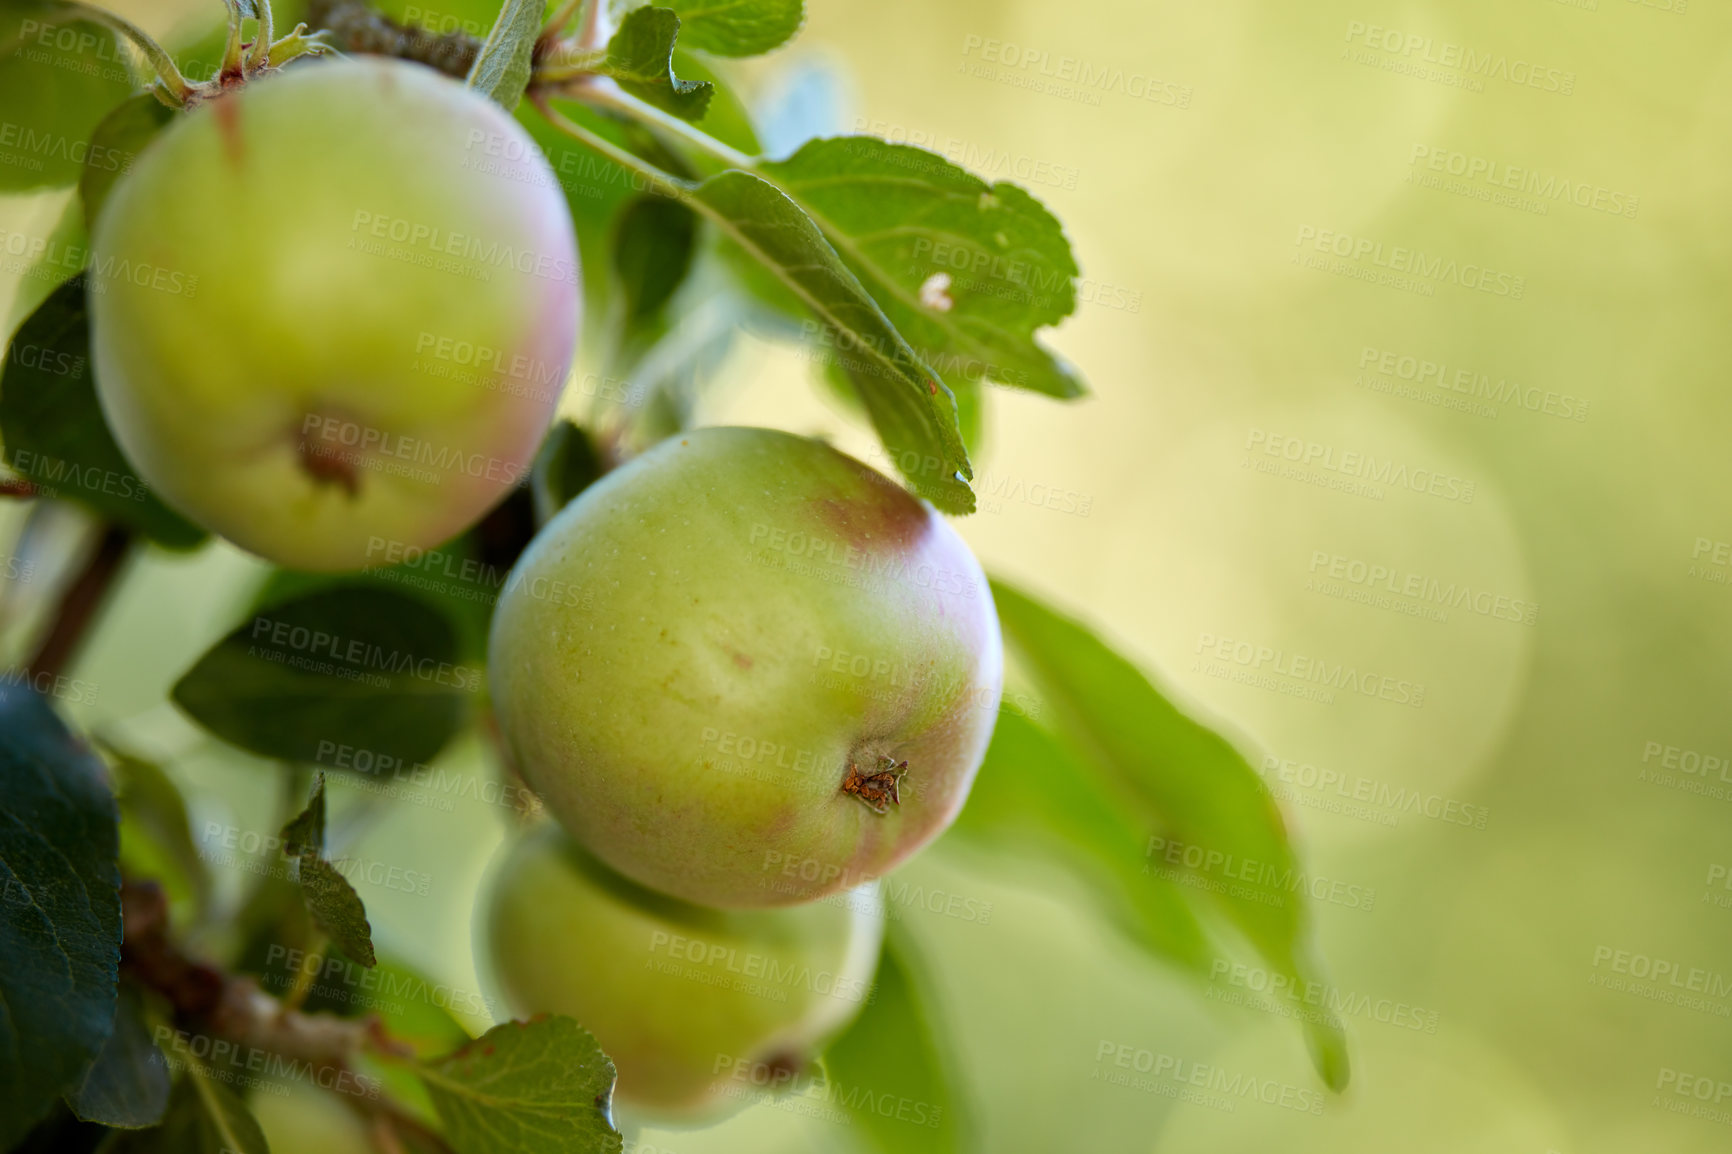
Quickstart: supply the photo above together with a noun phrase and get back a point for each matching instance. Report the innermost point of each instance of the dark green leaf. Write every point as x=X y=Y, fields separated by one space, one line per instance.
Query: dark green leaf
x=727 y=119
x=965 y=270
x=204 y=1117
x=115 y=147
x=305 y=832
x=652 y=253
x=62 y=1133
x=128 y=1085
x=738 y=27
x=502 y=69
x=895 y=1052
x=228 y=1125
x=58 y=79
x=350 y=666
x=641 y=57
x=59 y=909
x=336 y=908
x=152 y=805
x=1186 y=780
x=565 y=466
x=913 y=411
x=1034 y=794
x=537 y=1087
x=332 y=903
x=53 y=426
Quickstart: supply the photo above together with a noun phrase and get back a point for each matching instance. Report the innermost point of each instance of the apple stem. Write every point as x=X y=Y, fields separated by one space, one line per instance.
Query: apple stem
x=881 y=788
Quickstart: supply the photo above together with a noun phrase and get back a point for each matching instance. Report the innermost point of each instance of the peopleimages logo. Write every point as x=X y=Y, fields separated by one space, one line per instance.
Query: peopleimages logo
x=1305 y=668
x=1412 y=262
x=748 y=964
x=1357 y=466
x=1478 y=65
x=381 y=226
x=1377 y=577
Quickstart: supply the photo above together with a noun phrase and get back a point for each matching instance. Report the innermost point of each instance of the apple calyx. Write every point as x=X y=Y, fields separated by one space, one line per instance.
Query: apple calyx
x=241 y=61
x=880 y=789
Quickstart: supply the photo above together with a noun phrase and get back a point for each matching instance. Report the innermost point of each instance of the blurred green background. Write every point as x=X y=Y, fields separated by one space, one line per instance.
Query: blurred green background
x=1196 y=188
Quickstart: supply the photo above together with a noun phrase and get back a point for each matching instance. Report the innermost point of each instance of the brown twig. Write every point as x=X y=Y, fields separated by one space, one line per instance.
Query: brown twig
x=82 y=601
x=207 y=1002
x=356 y=28
x=22 y=489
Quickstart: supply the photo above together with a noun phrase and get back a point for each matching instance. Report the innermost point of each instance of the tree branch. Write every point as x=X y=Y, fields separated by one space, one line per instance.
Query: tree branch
x=207 y=1001
x=82 y=601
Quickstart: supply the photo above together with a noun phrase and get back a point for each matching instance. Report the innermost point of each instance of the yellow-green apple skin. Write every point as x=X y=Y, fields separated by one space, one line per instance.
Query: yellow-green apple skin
x=332 y=310
x=679 y=996
x=715 y=661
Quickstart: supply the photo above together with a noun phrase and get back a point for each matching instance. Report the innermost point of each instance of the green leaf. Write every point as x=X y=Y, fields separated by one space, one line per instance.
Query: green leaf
x=59 y=910
x=537 y=1087
x=227 y=1123
x=349 y=666
x=115 y=147
x=913 y=411
x=58 y=79
x=895 y=1053
x=653 y=246
x=151 y=804
x=62 y=1133
x=565 y=466
x=967 y=271
x=53 y=426
x=305 y=832
x=640 y=56
x=332 y=903
x=1034 y=794
x=204 y=1117
x=738 y=27
x=502 y=68
x=336 y=908
x=1184 y=779
x=727 y=119
x=127 y=1087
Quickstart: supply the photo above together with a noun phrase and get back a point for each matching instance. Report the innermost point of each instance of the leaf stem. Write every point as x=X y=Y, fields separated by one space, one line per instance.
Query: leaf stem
x=168 y=76
x=605 y=94
x=663 y=183
x=597 y=27
x=260 y=56
x=233 y=67
x=565 y=64
x=558 y=22
x=304 y=974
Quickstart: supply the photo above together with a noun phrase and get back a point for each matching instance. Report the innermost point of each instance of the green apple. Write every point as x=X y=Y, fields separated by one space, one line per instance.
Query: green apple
x=333 y=310
x=679 y=996
x=747 y=670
